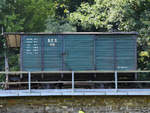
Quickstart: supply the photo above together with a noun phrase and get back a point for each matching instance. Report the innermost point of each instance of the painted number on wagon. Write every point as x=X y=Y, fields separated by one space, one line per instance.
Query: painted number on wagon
x=52 y=42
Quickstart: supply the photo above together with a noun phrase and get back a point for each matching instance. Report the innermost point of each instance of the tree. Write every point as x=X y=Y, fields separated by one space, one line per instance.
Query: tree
x=55 y=25
x=59 y=22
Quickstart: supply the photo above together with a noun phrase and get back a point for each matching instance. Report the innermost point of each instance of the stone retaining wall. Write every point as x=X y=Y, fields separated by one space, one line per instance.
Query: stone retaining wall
x=88 y=104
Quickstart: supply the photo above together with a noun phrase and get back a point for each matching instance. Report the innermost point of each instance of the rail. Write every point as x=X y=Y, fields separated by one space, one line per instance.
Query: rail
x=49 y=72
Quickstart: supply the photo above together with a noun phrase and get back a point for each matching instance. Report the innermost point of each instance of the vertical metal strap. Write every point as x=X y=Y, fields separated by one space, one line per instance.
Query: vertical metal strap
x=94 y=52
x=135 y=38
x=136 y=74
x=42 y=54
x=115 y=59
x=21 y=53
x=29 y=81
x=62 y=53
x=72 y=81
x=116 y=81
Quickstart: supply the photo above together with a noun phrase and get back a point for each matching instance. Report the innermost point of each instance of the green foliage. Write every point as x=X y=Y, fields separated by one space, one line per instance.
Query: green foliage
x=2 y=3
x=55 y=26
x=26 y=15
x=14 y=61
x=35 y=13
x=59 y=21
x=64 y=7
x=12 y=23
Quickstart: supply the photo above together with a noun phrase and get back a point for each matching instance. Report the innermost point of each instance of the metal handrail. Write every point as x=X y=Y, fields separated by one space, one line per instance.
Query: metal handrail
x=58 y=72
x=73 y=82
x=69 y=82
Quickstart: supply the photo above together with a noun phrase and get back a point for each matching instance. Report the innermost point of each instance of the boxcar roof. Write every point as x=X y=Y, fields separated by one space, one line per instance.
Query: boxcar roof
x=50 y=33
x=13 y=38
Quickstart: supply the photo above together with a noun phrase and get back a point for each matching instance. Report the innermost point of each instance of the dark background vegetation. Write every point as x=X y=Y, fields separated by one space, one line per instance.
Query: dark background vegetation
x=76 y=15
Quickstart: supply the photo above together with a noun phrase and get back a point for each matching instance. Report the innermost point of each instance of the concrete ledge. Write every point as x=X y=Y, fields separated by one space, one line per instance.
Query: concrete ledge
x=77 y=92
x=50 y=94
x=29 y=94
x=116 y=93
x=8 y=94
x=139 y=93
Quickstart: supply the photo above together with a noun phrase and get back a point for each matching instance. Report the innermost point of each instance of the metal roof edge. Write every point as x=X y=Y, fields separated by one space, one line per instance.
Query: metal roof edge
x=50 y=33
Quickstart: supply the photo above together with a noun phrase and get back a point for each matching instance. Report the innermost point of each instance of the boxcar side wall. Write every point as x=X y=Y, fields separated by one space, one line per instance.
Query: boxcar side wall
x=78 y=52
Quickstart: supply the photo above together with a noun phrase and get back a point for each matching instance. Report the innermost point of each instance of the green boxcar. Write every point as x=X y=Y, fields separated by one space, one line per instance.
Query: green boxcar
x=80 y=51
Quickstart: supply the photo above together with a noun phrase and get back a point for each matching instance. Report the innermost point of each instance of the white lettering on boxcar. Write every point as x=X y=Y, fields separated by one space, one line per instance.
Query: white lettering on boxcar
x=122 y=67
x=52 y=42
